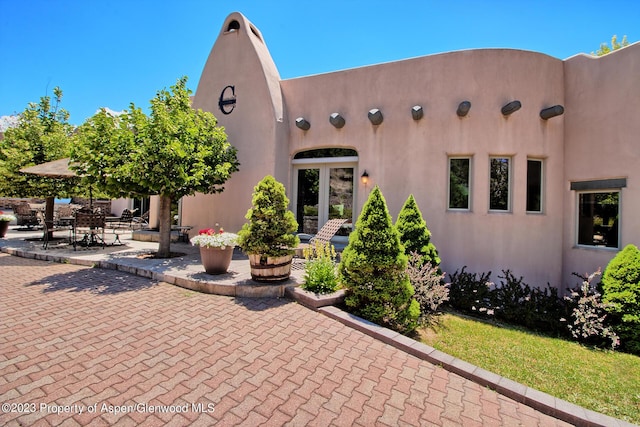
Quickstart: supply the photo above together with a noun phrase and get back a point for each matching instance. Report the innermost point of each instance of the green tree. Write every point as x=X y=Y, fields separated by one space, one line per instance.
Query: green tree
x=621 y=294
x=42 y=134
x=373 y=267
x=604 y=48
x=414 y=234
x=173 y=152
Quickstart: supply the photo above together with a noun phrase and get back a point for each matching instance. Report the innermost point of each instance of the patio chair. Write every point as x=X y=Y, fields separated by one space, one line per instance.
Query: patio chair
x=90 y=224
x=121 y=225
x=25 y=215
x=325 y=234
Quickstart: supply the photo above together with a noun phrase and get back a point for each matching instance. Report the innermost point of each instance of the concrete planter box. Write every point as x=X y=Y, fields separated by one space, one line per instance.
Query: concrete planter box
x=312 y=300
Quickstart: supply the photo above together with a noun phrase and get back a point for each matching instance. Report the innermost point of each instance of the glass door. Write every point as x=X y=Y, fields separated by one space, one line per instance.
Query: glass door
x=307 y=200
x=323 y=192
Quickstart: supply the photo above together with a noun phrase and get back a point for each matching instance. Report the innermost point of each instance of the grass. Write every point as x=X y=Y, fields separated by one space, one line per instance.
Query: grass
x=601 y=380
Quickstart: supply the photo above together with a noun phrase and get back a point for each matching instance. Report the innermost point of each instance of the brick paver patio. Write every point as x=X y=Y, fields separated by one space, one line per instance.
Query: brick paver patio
x=126 y=348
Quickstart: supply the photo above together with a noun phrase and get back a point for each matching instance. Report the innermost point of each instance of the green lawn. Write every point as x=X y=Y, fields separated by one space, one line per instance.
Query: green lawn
x=603 y=381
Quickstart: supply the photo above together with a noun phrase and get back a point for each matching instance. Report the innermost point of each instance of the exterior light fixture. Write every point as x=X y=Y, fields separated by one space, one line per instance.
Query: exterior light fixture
x=463 y=108
x=417 y=112
x=302 y=123
x=336 y=120
x=550 y=112
x=364 y=177
x=510 y=108
x=375 y=116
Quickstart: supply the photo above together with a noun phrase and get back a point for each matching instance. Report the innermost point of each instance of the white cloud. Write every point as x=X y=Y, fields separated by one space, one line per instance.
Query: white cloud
x=110 y=111
x=8 y=121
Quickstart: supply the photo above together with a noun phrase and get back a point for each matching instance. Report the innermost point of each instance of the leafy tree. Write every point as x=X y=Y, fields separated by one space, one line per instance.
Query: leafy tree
x=372 y=270
x=42 y=134
x=604 y=48
x=621 y=294
x=414 y=234
x=174 y=152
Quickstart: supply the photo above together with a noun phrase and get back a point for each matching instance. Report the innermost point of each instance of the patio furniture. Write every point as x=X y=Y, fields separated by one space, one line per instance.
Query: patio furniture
x=326 y=233
x=92 y=225
x=26 y=216
x=120 y=225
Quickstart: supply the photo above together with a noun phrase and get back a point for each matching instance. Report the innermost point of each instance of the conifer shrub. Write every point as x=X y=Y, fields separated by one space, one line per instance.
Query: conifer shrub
x=621 y=294
x=372 y=270
x=414 y=234
x=271 y=225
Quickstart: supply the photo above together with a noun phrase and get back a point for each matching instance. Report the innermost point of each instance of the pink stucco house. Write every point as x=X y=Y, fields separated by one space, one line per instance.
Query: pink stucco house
x=517 y=159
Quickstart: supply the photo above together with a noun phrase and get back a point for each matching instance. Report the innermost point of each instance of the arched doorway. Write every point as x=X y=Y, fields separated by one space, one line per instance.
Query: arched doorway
x=324 y=187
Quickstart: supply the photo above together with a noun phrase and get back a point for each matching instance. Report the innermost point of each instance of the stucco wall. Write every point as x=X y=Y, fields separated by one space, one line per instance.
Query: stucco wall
x=255 y=126
x=602 y=141
x=596 y=138
x=405 y=156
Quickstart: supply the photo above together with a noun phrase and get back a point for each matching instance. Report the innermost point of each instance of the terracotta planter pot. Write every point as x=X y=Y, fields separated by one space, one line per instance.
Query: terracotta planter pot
x=4 y=226
x=216 y=260
x=271 y=269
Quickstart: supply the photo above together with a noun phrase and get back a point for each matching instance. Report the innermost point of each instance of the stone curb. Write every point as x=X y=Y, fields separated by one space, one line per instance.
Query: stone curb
x=535 y=399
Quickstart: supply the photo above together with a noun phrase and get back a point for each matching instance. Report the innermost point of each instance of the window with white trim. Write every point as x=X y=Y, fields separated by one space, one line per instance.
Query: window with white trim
x=459 y=183
x=535 y=185
x=500 y=184
x=598 y=218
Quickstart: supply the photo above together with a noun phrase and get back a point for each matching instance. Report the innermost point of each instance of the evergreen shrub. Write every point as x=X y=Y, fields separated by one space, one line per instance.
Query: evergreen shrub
x=271 y=225
x=372 y=270
x=414 y=234
x=621 y=294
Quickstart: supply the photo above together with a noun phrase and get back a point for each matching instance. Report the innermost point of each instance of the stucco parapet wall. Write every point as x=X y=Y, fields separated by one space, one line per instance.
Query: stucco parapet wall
x=543 y=402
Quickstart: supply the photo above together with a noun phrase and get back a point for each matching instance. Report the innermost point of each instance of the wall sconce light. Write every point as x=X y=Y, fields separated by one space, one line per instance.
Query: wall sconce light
x=336 y=120
x=375 y=116
x=463 y=108
x=510 y=108
x=550 y=112
x=417 y=112
x=302 y=123
x=364 y=178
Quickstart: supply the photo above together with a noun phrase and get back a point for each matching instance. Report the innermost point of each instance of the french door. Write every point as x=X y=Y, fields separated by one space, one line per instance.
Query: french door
x=323 y=191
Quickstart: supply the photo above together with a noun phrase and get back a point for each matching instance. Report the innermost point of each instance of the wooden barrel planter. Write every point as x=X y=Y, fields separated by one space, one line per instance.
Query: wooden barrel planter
x=270 y=269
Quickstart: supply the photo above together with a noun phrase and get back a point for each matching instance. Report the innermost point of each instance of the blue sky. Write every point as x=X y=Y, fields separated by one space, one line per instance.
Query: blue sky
x=110 y=53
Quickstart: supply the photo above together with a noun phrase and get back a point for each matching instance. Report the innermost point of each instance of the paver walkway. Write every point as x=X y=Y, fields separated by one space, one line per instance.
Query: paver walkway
x=126 y=348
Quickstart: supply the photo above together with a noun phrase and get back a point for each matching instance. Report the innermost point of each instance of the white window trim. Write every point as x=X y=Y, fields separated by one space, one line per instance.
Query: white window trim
x=577 y=219
x=470 y=206
x=542 y=185
x=509 y=185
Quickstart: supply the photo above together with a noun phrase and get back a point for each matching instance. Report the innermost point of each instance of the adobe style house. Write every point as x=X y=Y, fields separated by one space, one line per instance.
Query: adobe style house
x=518 y=160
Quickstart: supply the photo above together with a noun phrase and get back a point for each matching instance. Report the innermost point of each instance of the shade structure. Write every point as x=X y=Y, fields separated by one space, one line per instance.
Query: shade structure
x=54 y=169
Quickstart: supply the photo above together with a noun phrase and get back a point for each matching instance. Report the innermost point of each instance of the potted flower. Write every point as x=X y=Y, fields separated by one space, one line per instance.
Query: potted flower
x=268 y=237
x=216 y=249
x=5 y=219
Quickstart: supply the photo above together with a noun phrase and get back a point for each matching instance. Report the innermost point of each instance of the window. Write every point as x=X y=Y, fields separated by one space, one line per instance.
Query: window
x=500 y=184
x=459 y=183
x=534 y=185
x=598 y=214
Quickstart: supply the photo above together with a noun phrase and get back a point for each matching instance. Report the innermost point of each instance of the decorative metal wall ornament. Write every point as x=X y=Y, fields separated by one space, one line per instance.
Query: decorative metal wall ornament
x=336 y=120
x=302 y=123
x=510 y=108
x=375 y=116
x=463 y=108
x=550 y=112
x=417 y=112
x=227 y=102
